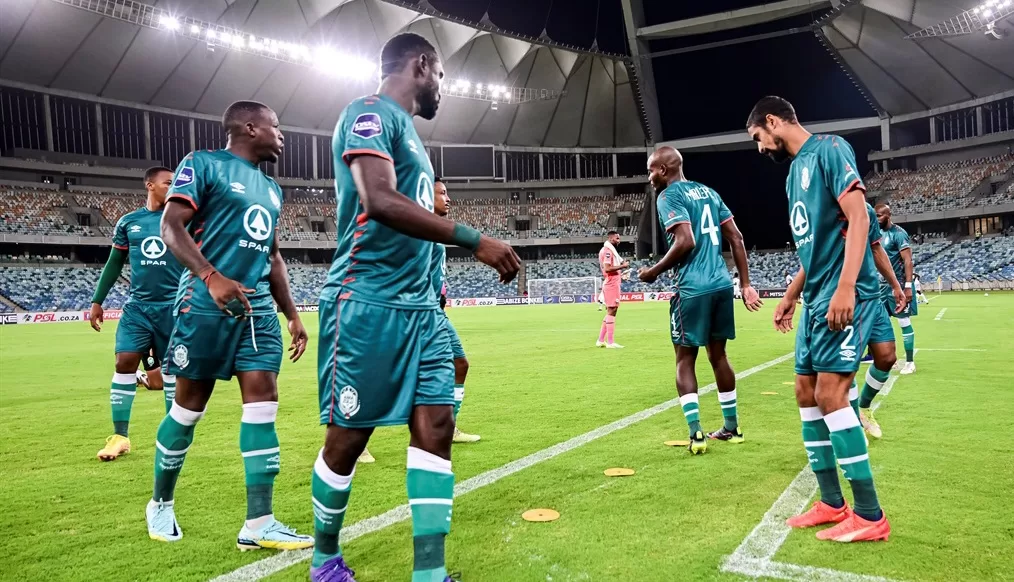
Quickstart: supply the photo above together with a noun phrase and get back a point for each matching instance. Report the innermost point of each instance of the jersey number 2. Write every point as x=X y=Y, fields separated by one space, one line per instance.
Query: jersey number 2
x=708 y=225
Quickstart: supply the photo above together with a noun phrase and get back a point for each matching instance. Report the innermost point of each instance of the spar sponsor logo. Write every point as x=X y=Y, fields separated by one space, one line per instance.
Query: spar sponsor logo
x=631 y=296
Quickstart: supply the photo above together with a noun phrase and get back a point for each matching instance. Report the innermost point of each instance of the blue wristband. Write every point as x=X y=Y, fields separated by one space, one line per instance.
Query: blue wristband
x=465 y=237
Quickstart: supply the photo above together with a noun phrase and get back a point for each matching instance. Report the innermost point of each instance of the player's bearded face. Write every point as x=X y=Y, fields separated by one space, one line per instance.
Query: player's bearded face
x=429 y=91
x=769 y=144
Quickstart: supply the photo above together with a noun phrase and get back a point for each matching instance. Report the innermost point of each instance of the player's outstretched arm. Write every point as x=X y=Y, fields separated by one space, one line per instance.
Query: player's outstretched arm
x=110 y=273
x=177 y=214
x=378 y=191
x=843 y=302
x=906 y=257
x=883 y=263
x=731 y=233
x=682 y=244
x=278 y=279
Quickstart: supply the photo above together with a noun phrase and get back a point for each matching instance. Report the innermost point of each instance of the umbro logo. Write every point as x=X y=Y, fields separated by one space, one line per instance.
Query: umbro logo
x=238 y=188
x=135 y=228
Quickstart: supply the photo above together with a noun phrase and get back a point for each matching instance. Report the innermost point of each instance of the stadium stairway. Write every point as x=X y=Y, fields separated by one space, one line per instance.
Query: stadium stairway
x=14 y=306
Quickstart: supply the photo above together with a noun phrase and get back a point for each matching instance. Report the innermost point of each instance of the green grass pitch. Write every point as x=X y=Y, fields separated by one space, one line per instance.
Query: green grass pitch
x=944 y=468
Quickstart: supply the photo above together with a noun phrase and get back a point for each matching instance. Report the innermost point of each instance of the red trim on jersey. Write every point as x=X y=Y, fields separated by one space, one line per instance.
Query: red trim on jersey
x=121 y=248
x=726 y=220
x=362 y=219
x=349 y=154
x=183 y=198
x=849 y=188
x=334 y=357
x=876 y=242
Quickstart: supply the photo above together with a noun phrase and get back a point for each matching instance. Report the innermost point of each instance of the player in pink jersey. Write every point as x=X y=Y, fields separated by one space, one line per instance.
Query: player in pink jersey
x=612 y=269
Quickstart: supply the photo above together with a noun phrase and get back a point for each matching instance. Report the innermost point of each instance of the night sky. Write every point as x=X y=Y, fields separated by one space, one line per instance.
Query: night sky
x=710 y=91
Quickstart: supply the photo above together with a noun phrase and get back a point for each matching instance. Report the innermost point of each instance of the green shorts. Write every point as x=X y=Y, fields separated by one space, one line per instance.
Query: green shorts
x=374 y=363
x=882 y=331
x=818 y=349
x=698 y=320
x=209 y=346
x=457 y=352
x=910 y=310
x=144 y=327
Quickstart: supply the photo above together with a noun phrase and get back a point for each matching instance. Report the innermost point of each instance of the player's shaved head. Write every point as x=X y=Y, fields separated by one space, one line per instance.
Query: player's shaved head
x=883 y=211
x=410 y=73
x=241 y=113
x=665 y=166
x=252 y=129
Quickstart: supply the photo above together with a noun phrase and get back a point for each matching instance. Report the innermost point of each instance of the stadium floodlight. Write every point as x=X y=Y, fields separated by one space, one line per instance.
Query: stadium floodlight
x=494 y=93
x=169 y=22
x=218 y=36
x=981 y=18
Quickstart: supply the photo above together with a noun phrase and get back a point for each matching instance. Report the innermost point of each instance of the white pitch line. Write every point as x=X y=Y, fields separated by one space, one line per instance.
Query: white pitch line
x=754 y=555
x=278 y=562
x=940 y=315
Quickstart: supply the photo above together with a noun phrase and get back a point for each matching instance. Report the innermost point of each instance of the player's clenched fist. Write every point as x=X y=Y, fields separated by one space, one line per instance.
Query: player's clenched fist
x=500 y=256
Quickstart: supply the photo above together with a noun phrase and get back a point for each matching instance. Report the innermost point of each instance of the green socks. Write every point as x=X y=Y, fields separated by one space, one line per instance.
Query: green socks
x=817 y=440
x=874 y=383
x=459 y=397
x=258 y=443
x=330 y=499
x=430 y=485
x=691 y=410
x=850 y=449
x=168 y=390
x=727 y=400
x=173 y=439
x=121 y=399
x=854 y=397
x=908 y=338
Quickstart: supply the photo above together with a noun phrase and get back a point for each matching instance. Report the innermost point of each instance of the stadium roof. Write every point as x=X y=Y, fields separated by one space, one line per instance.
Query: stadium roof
x=905 y=76
x=49 y=44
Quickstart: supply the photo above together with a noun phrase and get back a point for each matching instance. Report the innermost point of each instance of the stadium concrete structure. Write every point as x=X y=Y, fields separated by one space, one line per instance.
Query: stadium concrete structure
x=544 y=142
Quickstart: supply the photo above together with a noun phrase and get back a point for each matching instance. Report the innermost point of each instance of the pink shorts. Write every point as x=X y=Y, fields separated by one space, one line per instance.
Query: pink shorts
x=611 y=295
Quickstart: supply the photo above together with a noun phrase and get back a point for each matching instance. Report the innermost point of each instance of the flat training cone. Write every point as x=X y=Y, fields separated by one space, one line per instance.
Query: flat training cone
x=769 y=394
x=540 y=515
x=677 y=443
x=618 y=472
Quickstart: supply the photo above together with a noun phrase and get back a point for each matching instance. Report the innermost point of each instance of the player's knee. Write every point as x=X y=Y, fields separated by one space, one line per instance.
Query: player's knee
x=460 y=367
x=716 y=357
x=830 y=397
x=126 y=363
x=885 y=360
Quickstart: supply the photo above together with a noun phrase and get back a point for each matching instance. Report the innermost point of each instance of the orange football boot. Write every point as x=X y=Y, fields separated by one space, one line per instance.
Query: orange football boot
x=820 y=514
x=857 y=529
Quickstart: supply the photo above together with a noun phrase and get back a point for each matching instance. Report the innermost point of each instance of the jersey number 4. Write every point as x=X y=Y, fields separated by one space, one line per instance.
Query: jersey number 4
x=708 y=225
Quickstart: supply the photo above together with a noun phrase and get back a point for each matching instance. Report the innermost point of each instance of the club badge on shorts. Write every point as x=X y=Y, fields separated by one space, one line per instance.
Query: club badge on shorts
x=181 y=357
x=348 y=402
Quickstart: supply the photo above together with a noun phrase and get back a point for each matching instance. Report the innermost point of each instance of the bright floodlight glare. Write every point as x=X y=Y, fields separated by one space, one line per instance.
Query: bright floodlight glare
x=211 y=34
x=237 y=41
x=226 y=37
x=194 y=29
x=987 y=13
x=169 y=22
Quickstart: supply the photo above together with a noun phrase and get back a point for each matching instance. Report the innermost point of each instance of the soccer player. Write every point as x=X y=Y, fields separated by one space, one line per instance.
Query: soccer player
x=701 y=312
x=841 y=301
x=895 y=242
x=384 y=356
x=220 y=223
x=737 y=287
x=612 y=271
x=147 y=318
x=441 y=206
x=882 y=350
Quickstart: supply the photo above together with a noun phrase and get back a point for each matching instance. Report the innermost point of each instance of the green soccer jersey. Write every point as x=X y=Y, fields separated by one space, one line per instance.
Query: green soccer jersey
x=822 y=171
x=874 y=236
x=154 y=271
x=438 y=270
x=373 y=263
x=895 y=240
x=703 y=270
x=234 y=226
